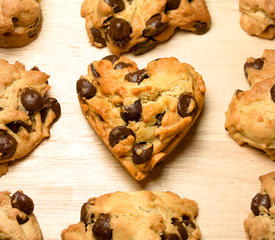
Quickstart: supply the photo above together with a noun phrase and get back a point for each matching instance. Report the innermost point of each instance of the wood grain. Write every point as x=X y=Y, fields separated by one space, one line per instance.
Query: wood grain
x=208 y=166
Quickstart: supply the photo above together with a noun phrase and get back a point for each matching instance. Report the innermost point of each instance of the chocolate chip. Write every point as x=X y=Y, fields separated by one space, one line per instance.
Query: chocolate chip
x=260 y=200
x=32 y=100
x=170 y=236
x=22 y=202
x=107 y=21
x=181 y=229
x=35 y=68
x=132 y=112
x=200 y=27
x=187 y=105
x=122 y=65
x=142 y=152
x=143 y=47
x=102 y=229
x=51 y=103
x=117 y=5
x=14 y=126
x=21 y=220
x=14 y=20
x=119 y=31
x=118 y=134
x=159 y=118
x=95 y=73
x=1 y=109
x=7 y=145
x=238 y=91
x=130 y=1
x=154 y=26
x=186 y=220
x=85 y=89
x=172 y=4
x=137 y=76
x=272 y=92
x=85 y=217
x=257 y=64
x=98 y=37
x=111 y=58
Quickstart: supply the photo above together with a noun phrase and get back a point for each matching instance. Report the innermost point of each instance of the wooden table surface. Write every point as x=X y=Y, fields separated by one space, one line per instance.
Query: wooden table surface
x=208 y=166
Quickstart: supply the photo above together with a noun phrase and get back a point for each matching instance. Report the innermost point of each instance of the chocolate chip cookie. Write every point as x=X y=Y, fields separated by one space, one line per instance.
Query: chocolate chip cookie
x=138 y=25
x=140 y=114
x=136 y=216
x=251 y=114
x=258 y=17
x=26 y=111
x=260 y=223
x=17 y=220
x=20 y=22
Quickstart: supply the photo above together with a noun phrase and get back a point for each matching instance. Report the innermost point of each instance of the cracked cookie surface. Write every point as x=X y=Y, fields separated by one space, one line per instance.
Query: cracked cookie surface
x=260 y=224
x=17 y=220
x=138 y=25
x=26 y=112
x=20 y=22
x=258 y=17
x=140 y=115
x=136 y=216
x=251 y=114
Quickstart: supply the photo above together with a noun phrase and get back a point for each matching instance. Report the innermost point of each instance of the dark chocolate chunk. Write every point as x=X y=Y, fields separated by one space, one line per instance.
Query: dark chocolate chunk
x=172 y=4
x=257 y=64
x=201 y=27
x=7 y=145
x=260 y=200
x=238 y=91
x=14 y=20
x=14 y=126
x=154 y=26
x=32 y=100
x=143 y=47
x=187 y=105
x=85 y=217
x=95 y=73
x=186 y=220
x=170 y=236
x=159 y=118
x=119 y=31
x=35 y=68
x=102 y=229
x=117 y=5
x=111 y=58
x=142 y=152
x=122 y=65
x=22 y=202
x=21 y=220
x=51 y=103
x=181 y=229
x=98 y=37
x=118 y=134
x=85 y=89
x=132 y=113
x=272 y=92
x=137 y=76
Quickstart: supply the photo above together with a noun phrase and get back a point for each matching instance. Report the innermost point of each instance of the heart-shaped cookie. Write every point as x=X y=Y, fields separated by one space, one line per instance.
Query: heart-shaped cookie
x=251 y=114
x=140 y=115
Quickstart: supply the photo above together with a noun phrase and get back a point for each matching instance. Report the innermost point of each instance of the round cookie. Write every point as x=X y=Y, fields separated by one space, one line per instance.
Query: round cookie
x=138 y=25
x=258 y=17
x=251 y=114
x=17 y=220
x=260 y=223
x=20 y=22
x=136 y=216
x=141 y=115
x=26 y=111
